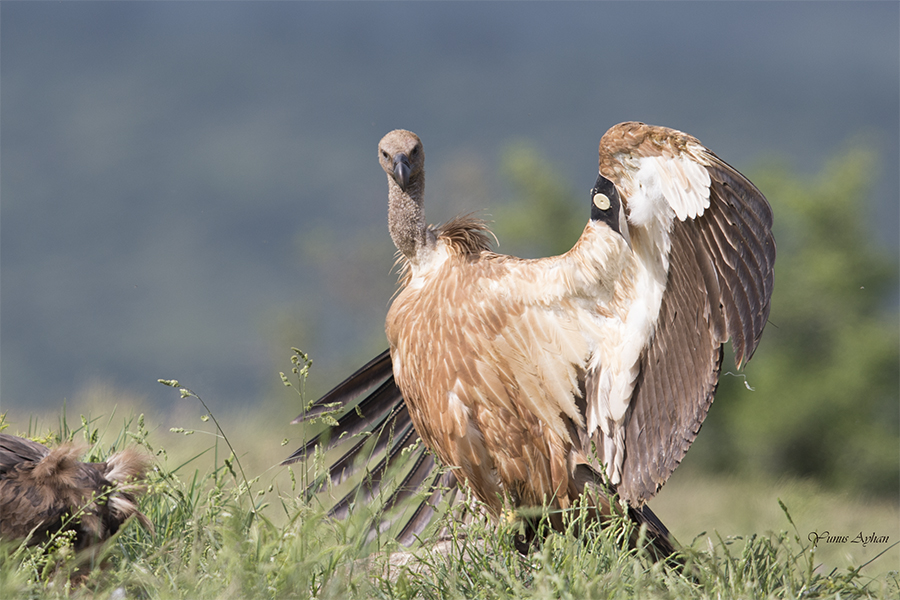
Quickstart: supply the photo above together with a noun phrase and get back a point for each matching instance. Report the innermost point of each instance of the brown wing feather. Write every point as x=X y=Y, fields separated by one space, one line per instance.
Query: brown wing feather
x=14 y=450
x=719 y=285
x=675 y=387
x=341 y=397
x=382 y=413
x=743 y=218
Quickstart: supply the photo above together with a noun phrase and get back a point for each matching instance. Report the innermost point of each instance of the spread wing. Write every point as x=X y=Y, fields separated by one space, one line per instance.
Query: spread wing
x=711 y=228
x=369 y=440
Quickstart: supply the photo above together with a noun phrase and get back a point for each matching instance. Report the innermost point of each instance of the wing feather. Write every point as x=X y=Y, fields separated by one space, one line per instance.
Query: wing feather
x=384 y=406
x=444 y=486
x=370 y=486
x=14 y=450
x=376 y=370
x=385 y=439
x=383 y=415
x=720 y=261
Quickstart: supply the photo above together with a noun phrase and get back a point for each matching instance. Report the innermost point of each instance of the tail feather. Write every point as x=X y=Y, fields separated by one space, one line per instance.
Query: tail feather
x=660 y=541
x=657 y=539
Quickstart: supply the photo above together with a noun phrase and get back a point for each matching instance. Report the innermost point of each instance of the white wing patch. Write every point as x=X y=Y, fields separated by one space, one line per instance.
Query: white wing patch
x=659 y=189
x=668 y=184
x=616 y=363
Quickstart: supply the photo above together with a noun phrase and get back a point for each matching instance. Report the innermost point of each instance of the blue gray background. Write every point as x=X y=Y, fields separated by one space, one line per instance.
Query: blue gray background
x=189 y=189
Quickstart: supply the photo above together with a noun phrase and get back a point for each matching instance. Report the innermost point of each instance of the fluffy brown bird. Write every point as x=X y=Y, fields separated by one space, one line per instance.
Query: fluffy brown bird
x=40 y=488
x=589 y=372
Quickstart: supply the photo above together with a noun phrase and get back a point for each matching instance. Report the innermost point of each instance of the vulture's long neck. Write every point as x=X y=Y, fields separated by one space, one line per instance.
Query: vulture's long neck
x=406 y=220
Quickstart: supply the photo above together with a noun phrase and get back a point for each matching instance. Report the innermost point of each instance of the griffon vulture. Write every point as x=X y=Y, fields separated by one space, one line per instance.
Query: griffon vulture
x=539 y=380
x=40 y=489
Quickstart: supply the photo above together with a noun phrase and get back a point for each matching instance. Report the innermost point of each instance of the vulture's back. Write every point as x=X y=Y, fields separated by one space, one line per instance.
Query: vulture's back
x=40 y=487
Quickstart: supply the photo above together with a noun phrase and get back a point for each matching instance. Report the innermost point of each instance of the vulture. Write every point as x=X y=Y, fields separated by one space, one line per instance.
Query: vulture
x=539 y=380
x=41 y=489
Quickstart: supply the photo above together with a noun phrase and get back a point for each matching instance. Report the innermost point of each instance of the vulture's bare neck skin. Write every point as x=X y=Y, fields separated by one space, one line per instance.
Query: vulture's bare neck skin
x=406 y=219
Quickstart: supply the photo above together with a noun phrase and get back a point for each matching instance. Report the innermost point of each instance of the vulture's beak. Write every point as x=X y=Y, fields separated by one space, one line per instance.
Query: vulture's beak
x=401 y=170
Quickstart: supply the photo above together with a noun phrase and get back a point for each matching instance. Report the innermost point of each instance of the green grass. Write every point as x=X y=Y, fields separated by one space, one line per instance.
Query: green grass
x=234 y=527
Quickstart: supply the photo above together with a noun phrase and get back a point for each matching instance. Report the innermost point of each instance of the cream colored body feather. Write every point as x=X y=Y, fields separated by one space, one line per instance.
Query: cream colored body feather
x=518 y=371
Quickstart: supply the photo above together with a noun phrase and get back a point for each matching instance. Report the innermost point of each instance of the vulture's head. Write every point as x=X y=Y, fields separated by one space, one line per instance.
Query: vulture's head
x=401 y=156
